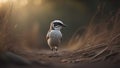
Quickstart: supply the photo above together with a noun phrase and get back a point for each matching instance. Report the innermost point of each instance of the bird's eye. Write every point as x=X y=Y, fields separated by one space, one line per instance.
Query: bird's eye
x=57 y=23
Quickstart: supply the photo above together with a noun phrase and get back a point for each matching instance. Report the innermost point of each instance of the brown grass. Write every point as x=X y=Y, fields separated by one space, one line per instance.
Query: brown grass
x=101 y=37
x=5 y=12
x=94 y=33
x=13 y=38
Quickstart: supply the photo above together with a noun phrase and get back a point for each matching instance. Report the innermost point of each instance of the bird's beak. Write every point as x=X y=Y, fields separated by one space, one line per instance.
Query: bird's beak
x=64 y=25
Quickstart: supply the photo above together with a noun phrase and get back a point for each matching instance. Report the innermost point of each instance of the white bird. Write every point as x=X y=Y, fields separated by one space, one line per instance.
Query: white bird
x=54 y=35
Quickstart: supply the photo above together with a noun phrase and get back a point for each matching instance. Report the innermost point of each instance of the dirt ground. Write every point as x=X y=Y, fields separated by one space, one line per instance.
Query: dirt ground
x=62 y=59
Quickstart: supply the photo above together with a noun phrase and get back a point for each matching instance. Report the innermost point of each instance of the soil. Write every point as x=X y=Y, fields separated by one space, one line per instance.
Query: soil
x=64 y=59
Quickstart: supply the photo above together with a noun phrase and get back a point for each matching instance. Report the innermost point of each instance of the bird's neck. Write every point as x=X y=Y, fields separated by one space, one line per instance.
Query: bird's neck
x=57 y=29
x=53 y=28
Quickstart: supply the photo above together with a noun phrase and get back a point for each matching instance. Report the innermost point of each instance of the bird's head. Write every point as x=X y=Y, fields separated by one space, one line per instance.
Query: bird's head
x=57 y=25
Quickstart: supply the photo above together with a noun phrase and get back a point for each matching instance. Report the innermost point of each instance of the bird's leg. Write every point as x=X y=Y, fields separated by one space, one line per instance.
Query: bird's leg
x=54 y=51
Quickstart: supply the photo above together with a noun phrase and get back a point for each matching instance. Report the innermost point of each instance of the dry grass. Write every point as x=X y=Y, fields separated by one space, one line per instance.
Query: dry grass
x=101 y=38
x=4 y=27
x=14 y=39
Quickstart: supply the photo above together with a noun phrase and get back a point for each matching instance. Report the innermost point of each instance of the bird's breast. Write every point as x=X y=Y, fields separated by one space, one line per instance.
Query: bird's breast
x=54 y=37
x=55 y=34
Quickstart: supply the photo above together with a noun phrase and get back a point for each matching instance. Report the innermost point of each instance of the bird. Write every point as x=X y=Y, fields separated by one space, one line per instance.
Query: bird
x=54 y=35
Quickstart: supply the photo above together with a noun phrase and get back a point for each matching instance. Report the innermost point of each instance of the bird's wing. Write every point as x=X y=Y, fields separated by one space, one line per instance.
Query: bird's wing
x=47 y=36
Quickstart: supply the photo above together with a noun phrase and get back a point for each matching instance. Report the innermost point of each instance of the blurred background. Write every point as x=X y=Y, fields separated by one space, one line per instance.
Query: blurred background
x=29 y=20
x=92 y=30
